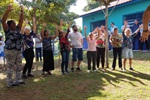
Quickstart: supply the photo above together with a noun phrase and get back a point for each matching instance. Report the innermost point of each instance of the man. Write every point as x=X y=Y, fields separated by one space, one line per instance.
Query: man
x=146 y=19
x=125 y=25
x=112 y=27
x=137 y=37
x=77 y=42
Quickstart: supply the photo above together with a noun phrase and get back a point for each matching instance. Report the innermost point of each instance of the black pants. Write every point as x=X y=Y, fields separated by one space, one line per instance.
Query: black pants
x=100 y=54
x=38 y=52
x=91 y=56
x=65 y=60
x=117 y=52
x=29 y=55
x=147 y=45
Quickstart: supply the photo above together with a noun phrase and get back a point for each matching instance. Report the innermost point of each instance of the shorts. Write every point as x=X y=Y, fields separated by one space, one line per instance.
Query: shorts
x=77 y=53
x=127 y=53
x=2 y=54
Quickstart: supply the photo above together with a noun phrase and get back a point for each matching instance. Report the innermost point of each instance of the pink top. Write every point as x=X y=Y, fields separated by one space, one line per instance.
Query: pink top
x=91 y=44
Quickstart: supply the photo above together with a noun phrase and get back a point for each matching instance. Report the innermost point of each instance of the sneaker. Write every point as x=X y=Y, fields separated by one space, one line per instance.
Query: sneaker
x=13 y=85
x=24 y=76
x=72 y=69
x=112 y=69
x=131 y=69
x=124 y=69
x=63 y=73
x=121 y=69
x=67 y=71
x=30 y=75
x=78 y=68
x=49 y=73
x=95 y=70
x=103 y=69
x=88 y=71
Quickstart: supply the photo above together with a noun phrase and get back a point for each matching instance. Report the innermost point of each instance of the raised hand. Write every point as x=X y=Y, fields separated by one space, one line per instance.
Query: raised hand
x=144 y=36
x=44 y=24
x=9 y=8
x=33 y=19
x=61 y=22
x=85 y=27
x=22 y=8
x=26 y=21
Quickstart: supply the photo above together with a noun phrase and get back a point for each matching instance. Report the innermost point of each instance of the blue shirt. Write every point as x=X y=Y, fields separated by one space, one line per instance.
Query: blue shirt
x=47 y=44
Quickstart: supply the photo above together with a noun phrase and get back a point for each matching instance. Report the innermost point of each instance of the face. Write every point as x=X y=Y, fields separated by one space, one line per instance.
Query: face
x=27 y=31
x=125 y=23
x=47 y=33
x=128 y=32
x=13 y=25
x=136 y=22
x=91 y=36
x=75 y=28
x=111 y=25
x=116 y=31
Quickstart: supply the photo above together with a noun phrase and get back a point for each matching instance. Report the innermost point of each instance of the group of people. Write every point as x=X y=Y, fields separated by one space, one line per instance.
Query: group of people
x=19 y=38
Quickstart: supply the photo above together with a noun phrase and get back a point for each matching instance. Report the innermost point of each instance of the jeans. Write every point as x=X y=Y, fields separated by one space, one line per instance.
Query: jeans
x=117 y=52
x=65 y=60
x=77 y=53
x=100 y=53
x=38 y=51
x=29 y=55
x=91 y=56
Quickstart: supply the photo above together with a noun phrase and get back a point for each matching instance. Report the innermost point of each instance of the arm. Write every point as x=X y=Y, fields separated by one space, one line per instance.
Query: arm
x=99 y=32
x=21 y=18
x=85 y=33
x=56 y=32
x=4 y=18
x=68 y=30
x=42 y=33
x=146 y=19
x=22 y=29
x=34 y=25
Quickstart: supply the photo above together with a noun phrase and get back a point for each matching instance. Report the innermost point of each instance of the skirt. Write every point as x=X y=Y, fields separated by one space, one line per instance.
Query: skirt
x=48 y=60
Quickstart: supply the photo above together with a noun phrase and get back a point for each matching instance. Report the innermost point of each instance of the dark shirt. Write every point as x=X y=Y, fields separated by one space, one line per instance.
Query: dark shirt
x=47 y=44
x=127 y=41
x=134 y=28
x=13 y=39
x=29 y=39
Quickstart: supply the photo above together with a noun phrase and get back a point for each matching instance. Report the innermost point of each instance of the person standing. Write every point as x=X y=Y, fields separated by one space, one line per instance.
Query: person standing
x=28 y=50
x=125 y=24
x=48 y=59
x=91 y=52
x=127 y=46
x=2 y=44
x=64 y=48
x=116 y=42
x=137 y=37
x=112 y=27
x=38 y=47
x=13 y=44
x=77 y=52
x=101 y=47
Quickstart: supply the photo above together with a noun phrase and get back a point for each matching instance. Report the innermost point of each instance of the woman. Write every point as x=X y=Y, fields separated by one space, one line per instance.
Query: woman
x=116 y=42
x=13 y=44
x=2 y=44
x=38 y=47
x=48 y=59
x=127 y=46
x=28 y=49
x=64 y=48
x=91 y=52
x=101 y=48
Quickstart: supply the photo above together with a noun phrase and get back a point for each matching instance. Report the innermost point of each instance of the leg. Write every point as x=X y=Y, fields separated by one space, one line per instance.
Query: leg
x=67 y=60
x=130 y=62
x=40 y=54
x=124 y=63
x=80 y=57
x=103 y=57
x=37 y=56
x=98 y=56
x=27 y=59
x=93 y=60
x=74 y=56
x=115 y=57
x=147 y=45
x=31 y=60
x=63 y=55
x=120 y=57
x=89 y=59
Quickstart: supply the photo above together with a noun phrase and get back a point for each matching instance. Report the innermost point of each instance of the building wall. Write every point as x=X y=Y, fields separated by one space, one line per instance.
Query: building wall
x=117 y=14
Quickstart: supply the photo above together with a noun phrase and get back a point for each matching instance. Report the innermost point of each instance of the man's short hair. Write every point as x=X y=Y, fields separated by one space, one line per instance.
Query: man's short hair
x=73 y=26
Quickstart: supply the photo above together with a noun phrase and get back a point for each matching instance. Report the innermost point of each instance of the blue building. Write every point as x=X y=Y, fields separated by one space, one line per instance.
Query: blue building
x=125 y=10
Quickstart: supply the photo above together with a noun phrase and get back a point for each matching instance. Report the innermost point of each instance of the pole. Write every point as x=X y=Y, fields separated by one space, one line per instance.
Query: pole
x=107 y=43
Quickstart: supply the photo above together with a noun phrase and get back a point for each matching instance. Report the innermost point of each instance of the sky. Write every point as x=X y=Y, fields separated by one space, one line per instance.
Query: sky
x=78 y=9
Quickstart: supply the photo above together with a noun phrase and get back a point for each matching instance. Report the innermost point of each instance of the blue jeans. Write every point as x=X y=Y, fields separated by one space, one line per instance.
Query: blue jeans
x=65 y=60
x=38 y=51
x=77 y=53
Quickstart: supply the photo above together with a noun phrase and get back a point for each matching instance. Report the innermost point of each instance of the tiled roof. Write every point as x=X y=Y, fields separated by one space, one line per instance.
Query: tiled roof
x=103 y=7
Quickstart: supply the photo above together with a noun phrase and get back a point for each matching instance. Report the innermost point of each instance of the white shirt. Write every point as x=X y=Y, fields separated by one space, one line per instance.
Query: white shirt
x=38 y=45
x=112 y=29
x=123 y=27
x=2 y=46
x=76 y=39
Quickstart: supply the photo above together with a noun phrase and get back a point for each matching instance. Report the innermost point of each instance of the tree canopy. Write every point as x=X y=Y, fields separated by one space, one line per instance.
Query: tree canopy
x=91 y=4
x=49 y=11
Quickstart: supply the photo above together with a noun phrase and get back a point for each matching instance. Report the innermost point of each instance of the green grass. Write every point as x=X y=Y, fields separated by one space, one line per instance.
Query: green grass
x=111 y=85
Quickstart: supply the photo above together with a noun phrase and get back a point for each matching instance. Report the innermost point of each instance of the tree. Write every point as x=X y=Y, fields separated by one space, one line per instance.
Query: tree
x=91 y=5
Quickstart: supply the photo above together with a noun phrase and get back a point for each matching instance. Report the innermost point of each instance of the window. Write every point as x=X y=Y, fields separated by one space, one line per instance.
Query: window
x=97 y=24
x=131 y=17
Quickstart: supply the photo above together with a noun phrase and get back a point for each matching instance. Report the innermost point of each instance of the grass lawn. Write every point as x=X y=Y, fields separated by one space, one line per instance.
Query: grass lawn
x=111 y=85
